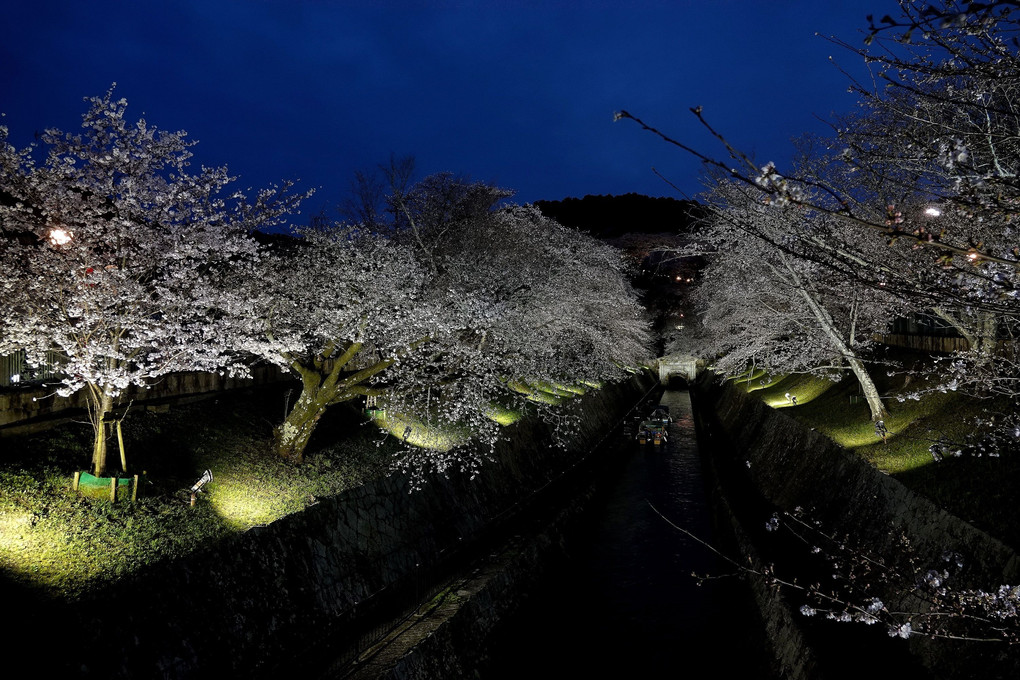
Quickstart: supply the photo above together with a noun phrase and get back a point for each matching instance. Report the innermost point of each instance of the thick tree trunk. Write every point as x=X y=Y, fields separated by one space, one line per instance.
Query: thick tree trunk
x=321 y=386
x=291 y=437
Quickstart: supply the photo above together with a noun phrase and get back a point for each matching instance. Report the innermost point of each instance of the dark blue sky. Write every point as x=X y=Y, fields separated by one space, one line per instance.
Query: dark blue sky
x=518 y=93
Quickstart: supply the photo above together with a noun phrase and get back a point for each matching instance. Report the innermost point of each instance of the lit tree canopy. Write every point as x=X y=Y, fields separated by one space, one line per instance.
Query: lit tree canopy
x=440 y=313
x=763 y=301
x=112 y=251
x=928 y=167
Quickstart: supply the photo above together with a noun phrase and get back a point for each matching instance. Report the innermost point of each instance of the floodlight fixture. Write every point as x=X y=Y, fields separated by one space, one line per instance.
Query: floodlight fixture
x=202 y=481
x=198 y=486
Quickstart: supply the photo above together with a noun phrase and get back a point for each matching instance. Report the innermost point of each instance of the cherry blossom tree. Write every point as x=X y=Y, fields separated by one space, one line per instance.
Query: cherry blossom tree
x=952 y=75
x=441 y=310
x=927 y=167
x=112 y=254
x=544 y=305
x=567 y=309
x=763 y=301
x=339 y=308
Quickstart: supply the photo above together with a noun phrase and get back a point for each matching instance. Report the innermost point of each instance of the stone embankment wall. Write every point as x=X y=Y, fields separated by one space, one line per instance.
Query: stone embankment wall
x=247 y=606
x=767 y=462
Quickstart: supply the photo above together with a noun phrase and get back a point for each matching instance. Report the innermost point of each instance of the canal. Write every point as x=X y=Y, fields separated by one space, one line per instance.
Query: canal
x=624 y=602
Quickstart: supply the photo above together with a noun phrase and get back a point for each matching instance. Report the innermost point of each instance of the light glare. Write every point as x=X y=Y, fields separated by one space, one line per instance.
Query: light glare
x=59 y=237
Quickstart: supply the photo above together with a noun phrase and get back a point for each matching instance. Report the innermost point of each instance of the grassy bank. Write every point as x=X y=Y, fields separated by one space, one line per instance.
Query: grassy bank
x=979 y=489
x=63 y=544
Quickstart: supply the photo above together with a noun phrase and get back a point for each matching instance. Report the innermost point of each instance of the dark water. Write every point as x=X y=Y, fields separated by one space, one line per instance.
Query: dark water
x=625 y=604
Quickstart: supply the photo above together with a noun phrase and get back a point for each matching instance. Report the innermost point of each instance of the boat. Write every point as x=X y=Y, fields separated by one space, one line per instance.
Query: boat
x=653 y=431
x=654 y=428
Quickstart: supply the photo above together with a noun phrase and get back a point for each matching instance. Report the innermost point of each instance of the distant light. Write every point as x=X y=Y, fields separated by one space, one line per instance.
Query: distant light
x=932 y=212
x=16 y=378
x=972 y=256
x=58 y=236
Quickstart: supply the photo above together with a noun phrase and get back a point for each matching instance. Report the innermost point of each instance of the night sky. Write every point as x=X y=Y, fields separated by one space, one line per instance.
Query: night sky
x=521 y=94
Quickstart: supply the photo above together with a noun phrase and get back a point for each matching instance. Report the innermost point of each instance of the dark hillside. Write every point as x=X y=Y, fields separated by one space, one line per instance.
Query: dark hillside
x=612 y=216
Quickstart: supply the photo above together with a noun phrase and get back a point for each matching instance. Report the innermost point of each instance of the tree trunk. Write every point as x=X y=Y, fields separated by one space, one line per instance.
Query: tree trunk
x=988 y=331
x=834 y=337
x=878 y=411
x=292 y=435
x=871 y=395
x=981 y=335
x=322 y=386
x=100 y=405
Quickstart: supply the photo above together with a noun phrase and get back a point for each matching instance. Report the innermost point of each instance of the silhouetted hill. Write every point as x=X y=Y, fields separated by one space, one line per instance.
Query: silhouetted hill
x=611 y=216
x=277 y=241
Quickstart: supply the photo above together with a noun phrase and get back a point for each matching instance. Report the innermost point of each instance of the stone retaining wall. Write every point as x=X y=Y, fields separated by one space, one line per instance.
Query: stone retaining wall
x=242 y=608
x=767 y=461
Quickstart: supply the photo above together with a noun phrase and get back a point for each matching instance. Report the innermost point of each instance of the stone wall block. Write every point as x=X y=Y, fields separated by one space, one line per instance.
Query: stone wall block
x=793 y=467
x=267 y=594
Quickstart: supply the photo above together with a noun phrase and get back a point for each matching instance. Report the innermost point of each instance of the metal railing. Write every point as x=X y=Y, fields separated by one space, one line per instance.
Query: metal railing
x=15 y=371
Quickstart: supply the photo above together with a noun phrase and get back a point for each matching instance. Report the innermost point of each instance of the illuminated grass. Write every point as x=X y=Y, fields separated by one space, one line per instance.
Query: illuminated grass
x=64 y=544
x=914 y=426
x=414 y=431
x=253 y=490
x=555 y=389
x=54 y=540
x=30 y=552
x=519 y=387
x=575 y=390
x=756 y=379
x=540 y=397
x=837 y=411
x=502 y=415
x=805 y=388
x=542 y=392
x=981 y=490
